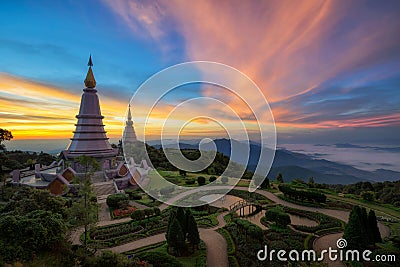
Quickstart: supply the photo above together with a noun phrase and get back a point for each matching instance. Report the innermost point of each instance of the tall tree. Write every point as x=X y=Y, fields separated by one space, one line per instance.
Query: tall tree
x=354 y=232
x=175 y=237
x=311 y=182
x=85 y=208
x=5 y=135
x=182 y=219
x=375 y=235
x=279 y=178
x=192 y=230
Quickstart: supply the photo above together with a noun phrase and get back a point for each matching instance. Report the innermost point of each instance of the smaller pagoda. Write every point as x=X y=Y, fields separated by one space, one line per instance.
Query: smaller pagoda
x=129 y=135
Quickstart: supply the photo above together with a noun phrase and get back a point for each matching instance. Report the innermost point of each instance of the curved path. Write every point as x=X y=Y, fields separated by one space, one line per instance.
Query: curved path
x=216 y=244
x=326 y=241
x=339 y=214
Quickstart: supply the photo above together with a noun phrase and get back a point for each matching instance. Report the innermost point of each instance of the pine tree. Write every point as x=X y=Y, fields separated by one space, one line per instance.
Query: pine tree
x=353 y=231
x=363 y=217
x=172 y=215
x=175 y=237
x=181 y=217
x=193 y=231
x=279 y=178
x=375 y=235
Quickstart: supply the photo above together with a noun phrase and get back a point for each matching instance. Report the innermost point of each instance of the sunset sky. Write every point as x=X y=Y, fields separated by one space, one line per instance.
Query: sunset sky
x=330 y=70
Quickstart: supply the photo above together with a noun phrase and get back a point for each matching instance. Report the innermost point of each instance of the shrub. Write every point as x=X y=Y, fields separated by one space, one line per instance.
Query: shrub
x=190 y=181
x=201 y=180
x=160 y=259
x=117 y=201
x=278 y=216
x=302 y=194
x=157 y=211
x=167 y=190
x=212 y=179
x=138 y=215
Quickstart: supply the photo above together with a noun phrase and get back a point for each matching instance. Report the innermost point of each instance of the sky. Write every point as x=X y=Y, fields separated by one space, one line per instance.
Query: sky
x=330 y=70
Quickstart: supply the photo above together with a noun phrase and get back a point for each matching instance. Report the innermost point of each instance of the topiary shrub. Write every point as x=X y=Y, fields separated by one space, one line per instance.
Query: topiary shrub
x=212 y=179
x=117 y=201
x=278 y=216
x=190 y=181
x=201 y=180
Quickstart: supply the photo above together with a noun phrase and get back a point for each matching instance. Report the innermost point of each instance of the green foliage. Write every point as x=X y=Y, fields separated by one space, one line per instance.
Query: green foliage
x=107 y=258
x=167 y=190
x=362 y=229
x=353 y=232
x=324 y=221
x=201 y=180
x=27 y=199
x=192 y=230
x=176 y=237
x=302 y=195
x=4 y=135
x=21 y=236
x=212 y=179
x=368 y=195
x=278 y=216
x=181 y=225
x=159 y=259
x=262 y=182
x=311 y=182
x=117 y=201
x=190 y=181
x=133 y=195
x=279 y=178
x=138 y=215
x=373 y=230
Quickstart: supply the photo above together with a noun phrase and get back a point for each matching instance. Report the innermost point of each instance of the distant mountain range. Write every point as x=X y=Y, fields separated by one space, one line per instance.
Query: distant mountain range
x=295 y=165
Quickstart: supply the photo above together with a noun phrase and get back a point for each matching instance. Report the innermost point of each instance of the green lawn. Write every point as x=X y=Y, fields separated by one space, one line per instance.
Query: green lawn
x=196 y=259
x=377 y=207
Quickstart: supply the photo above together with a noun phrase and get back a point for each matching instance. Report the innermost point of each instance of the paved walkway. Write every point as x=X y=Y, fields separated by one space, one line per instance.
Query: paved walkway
x=339 y=214
x=326 y=241
x=216 y=244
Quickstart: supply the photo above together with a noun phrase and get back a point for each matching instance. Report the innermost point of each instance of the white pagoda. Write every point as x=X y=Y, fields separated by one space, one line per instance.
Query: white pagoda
x=129 y=135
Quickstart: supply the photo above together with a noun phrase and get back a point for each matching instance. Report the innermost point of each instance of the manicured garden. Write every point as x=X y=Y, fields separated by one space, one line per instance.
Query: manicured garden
x=144 y=223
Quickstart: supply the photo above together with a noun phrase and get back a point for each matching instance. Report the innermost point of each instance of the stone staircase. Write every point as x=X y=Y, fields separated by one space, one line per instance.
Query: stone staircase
x=103 y=189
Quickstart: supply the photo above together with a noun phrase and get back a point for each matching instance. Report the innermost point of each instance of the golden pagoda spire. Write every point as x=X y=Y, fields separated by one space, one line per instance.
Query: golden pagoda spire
x=129 y=113
x=90 y=81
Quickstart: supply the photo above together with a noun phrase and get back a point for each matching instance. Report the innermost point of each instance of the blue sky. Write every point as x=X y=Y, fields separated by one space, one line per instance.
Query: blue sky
x=329 y=69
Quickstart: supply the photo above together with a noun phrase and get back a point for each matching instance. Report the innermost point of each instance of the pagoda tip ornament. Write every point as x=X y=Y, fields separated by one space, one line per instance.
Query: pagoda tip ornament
x=90 y=81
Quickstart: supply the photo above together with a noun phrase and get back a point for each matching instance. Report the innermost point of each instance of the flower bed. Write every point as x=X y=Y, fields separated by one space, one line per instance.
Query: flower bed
x=121 y=213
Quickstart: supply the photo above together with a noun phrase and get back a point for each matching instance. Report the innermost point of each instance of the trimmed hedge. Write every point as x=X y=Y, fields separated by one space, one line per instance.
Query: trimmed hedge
x=324 y=221
x=303 y=195
x=117 y=201
x=278 y=216
x=229 y=241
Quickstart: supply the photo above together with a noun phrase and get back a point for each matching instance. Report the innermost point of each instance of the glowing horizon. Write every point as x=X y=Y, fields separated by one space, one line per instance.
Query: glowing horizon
x=327 y=68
